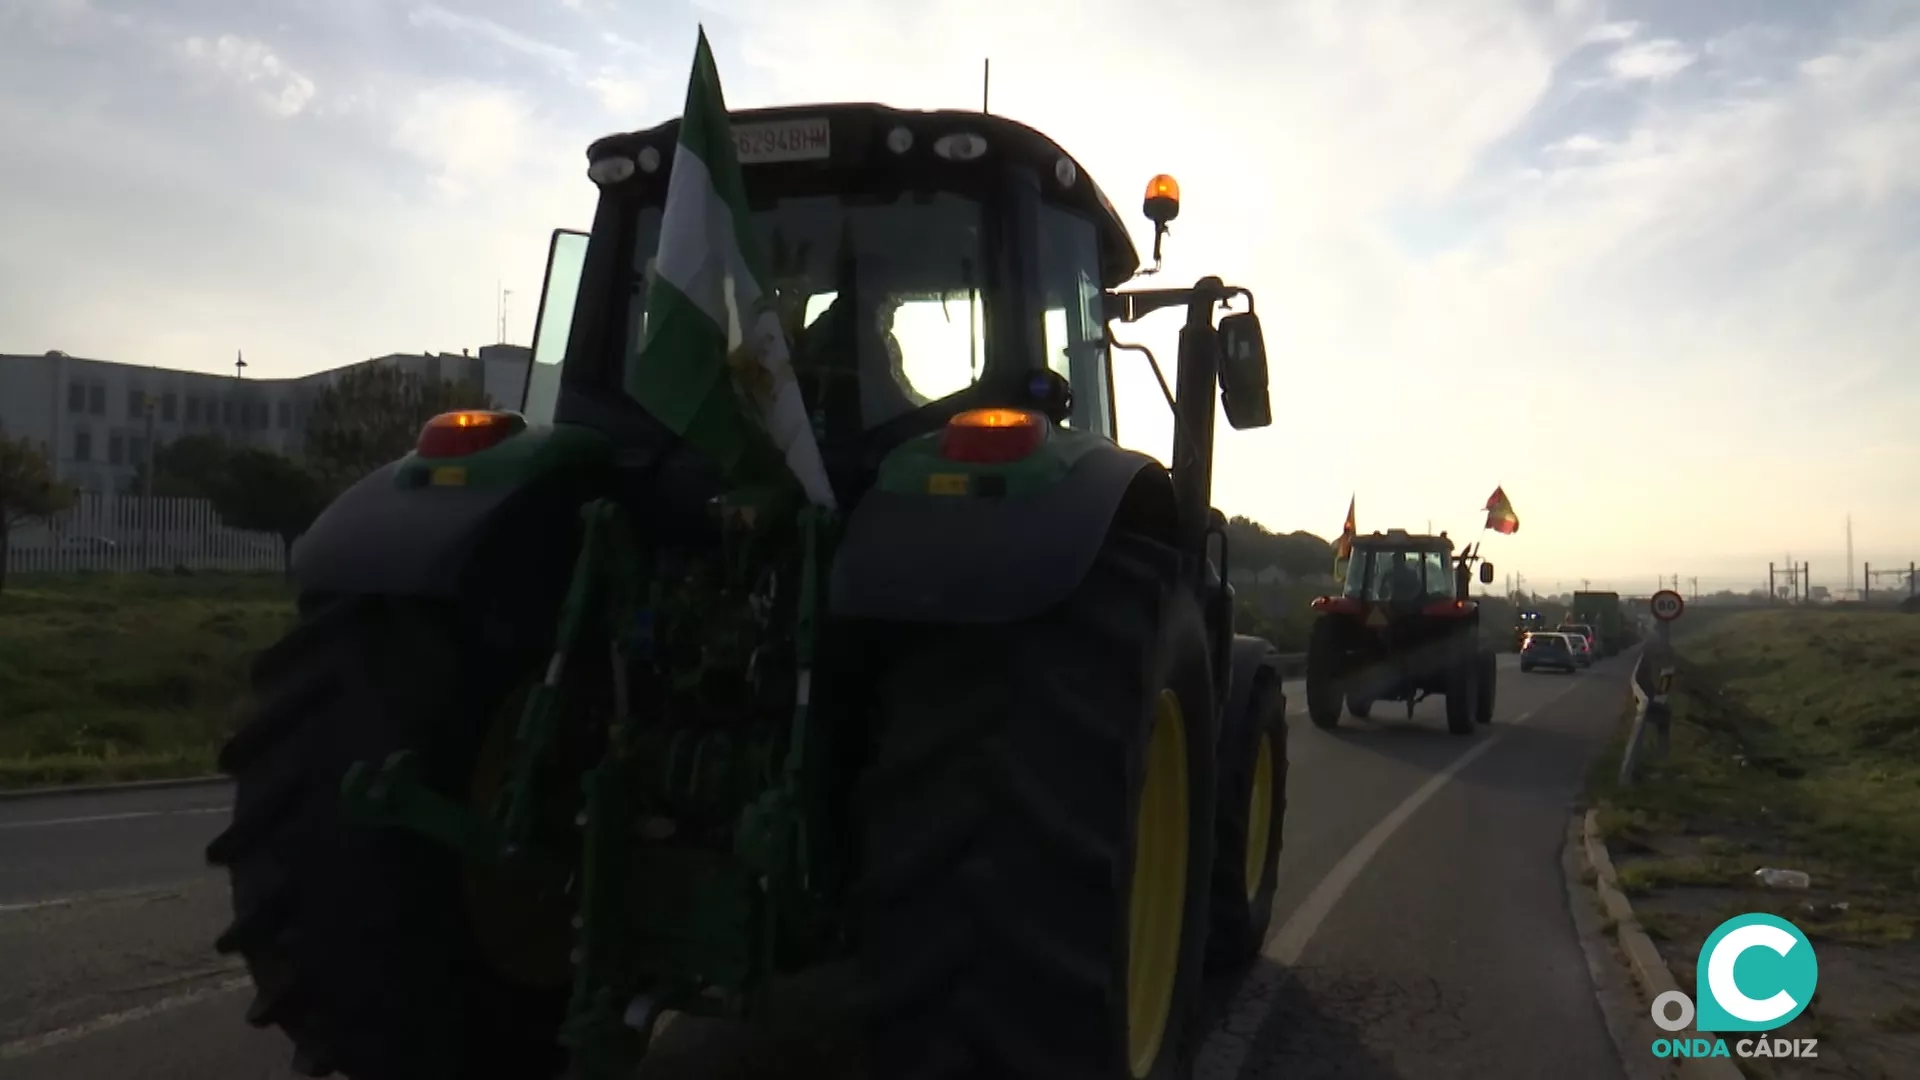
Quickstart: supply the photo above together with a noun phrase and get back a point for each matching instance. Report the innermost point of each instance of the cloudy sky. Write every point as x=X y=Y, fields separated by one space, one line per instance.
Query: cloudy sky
x=1652 y=266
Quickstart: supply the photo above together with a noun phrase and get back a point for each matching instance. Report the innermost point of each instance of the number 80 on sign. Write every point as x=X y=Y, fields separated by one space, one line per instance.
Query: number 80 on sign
x=1667 y=605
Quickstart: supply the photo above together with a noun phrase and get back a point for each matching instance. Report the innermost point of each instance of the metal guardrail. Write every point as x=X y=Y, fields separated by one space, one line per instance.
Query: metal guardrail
x=1650 y=709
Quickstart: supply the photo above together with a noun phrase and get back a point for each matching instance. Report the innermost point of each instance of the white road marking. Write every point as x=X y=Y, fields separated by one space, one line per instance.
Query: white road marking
x=20 y=1048
x=1225 y=1052
x=33 y=1044
x=1286 y=946
x=35 y=905
x=99 y=896
x=128 y=816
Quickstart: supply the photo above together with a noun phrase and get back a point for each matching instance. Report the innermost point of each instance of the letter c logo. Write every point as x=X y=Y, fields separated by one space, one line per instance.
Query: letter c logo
x=1756 y=972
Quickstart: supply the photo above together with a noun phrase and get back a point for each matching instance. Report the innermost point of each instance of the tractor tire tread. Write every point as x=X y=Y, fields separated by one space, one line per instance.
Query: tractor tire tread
x=1486 y=700
x=1238 y=926
x=352 y=935
x=996 y=839
x=1462 y=693
x=1326 y=677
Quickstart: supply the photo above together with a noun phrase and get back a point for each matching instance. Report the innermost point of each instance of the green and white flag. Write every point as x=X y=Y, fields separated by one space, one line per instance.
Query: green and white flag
x=713 y=338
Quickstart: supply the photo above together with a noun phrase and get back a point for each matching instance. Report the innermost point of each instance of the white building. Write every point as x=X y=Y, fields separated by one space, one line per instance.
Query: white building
x=87 y=414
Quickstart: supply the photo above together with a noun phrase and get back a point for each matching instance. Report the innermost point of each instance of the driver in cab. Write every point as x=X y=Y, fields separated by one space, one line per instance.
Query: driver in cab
x=855 y=337
x=1403 y=584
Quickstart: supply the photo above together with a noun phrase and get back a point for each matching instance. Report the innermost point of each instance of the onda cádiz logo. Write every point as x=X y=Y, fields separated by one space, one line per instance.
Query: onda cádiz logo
x=1756 y=973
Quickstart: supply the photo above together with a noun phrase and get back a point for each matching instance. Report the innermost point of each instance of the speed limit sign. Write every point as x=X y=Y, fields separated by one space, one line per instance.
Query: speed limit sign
x=1667 y=605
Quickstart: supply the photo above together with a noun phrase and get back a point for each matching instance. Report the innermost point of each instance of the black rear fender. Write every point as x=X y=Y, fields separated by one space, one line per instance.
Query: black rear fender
x=927 y=558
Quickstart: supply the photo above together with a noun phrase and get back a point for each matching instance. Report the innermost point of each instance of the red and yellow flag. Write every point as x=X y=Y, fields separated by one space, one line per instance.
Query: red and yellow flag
x=1343 y=547
x=1500 y=515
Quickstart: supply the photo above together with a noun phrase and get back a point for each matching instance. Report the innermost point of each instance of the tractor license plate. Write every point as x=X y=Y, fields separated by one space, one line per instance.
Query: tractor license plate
x=783 y=140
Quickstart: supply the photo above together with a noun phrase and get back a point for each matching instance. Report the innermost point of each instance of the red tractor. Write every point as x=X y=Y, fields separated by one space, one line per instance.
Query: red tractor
x=1403 y=627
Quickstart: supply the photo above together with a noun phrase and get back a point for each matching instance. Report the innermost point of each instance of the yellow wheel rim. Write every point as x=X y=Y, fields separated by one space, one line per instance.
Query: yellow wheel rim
x=1157 y=911
x=1260 y=816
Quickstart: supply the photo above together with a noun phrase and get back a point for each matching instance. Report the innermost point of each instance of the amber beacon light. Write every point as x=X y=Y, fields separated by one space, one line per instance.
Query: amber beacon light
x=1163 y=199
x=467 y=431
x=992 y=436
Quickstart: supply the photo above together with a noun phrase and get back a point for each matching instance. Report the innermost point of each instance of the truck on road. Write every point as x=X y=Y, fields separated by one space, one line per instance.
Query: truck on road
x=1600 y=610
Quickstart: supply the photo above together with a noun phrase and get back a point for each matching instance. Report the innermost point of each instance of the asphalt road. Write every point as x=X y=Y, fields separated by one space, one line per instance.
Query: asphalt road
x=1422 y=924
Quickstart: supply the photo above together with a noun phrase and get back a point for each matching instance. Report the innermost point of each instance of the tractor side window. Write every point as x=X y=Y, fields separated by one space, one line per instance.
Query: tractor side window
x=1439 y=574
x=565 y=257
x=1354 y=586
x=1073 y=310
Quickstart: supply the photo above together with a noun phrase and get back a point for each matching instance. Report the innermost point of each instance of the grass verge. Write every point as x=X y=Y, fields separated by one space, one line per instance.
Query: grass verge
x=1795 y=744
x=110 y=677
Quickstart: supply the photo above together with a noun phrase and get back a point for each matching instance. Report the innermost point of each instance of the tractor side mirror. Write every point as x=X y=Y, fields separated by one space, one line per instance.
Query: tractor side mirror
x=1486 y=573
x=1243 y=372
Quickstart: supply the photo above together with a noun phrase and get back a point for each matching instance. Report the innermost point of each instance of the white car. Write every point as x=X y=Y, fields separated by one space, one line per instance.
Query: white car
x=1581 y=635
x=1549 y=649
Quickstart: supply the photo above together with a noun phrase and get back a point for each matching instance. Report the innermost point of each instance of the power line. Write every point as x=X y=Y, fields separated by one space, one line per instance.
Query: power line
x=1869 y=575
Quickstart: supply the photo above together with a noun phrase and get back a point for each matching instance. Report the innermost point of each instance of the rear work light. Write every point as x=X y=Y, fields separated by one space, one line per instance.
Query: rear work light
x=468 y=431
x=993 y=436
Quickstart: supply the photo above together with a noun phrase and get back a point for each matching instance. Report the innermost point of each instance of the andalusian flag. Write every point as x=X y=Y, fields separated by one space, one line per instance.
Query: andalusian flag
x=714 y=367
x=1343 y=547
x=1500 y=515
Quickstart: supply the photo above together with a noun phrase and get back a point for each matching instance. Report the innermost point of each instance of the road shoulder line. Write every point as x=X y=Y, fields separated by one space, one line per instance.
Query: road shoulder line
x=112 y=789
x=33 y=1044
x=1650 y=971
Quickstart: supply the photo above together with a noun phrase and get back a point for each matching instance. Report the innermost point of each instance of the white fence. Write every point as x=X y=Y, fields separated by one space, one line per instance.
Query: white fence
x=124 y=533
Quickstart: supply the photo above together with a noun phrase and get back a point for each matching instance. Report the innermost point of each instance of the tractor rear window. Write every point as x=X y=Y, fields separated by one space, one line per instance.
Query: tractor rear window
x=1387 y=575
x=883 y=299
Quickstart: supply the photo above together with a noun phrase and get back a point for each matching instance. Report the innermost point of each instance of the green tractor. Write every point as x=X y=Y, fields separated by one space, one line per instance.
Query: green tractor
x=573 y=732
x=1404 y=627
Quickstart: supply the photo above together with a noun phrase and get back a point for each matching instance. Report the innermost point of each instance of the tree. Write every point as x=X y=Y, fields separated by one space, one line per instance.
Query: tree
x=373 y=414
x=1277 y=610
x=261 y=491
x=185 y=468
x=1299 y=554
x=28 y=491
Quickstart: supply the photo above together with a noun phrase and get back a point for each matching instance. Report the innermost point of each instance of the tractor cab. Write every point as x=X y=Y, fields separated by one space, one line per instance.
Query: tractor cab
x=1399 y=568
x=923 y=264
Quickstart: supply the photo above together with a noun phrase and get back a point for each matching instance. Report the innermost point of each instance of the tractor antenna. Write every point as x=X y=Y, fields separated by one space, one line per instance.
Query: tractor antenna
x=986 y=81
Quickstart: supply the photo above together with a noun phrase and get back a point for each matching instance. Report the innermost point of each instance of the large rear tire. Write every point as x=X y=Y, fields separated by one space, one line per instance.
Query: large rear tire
x=354 y=936
x=1463 y=694
x=1489 y=678
x=1326 y=674
x=1038 y=837
x=1252 y=815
